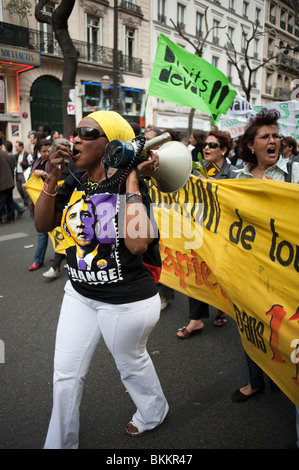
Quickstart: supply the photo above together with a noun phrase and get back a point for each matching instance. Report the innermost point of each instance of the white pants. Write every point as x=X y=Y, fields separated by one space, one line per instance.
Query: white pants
x=125 y=329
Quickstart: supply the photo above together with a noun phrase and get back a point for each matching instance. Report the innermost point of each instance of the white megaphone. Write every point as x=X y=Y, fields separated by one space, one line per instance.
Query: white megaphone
x=175 y=160
x=175 y=167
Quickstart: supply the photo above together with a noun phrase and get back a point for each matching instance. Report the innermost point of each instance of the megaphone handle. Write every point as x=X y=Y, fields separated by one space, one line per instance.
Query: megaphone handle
x=155 y=142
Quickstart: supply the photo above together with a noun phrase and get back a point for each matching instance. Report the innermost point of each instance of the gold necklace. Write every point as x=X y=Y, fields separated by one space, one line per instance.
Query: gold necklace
x=91 y=187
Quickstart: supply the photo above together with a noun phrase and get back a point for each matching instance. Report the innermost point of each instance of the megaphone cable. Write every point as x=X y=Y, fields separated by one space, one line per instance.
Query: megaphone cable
x=109 y=185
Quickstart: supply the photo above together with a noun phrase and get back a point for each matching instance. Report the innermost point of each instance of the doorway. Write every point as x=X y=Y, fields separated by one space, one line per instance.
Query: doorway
x=46 y=103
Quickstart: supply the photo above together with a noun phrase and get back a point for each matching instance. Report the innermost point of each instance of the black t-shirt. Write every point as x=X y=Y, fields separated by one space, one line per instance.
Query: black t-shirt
x=100 y=266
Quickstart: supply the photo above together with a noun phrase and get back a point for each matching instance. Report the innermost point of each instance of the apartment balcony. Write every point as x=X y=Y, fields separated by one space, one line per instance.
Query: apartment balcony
x=287 y=61
x=162 y=18
x=131 y=7
x=46 y=43
x=283 y=94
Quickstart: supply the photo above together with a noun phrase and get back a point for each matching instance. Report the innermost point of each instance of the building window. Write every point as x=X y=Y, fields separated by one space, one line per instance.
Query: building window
x=215 y=61
x=216 y=25
x=272 y=16
x=161 y=11
x=283 y=23
x=243 y=69
x=258 y=15
x=269 y=84
x=199 y=24
x=92 y=38
x=243 y=43
x=231 y=5
x=270 y=48
x=130 y=43
x=46 y=31
x=230 y=33
x=256 y=48
x=181 y=16
x=290 y=24
x=254 y=79
x=245 y=9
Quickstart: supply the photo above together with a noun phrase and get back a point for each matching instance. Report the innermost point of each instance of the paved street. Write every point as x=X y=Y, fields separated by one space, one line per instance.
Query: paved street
x=198 y=375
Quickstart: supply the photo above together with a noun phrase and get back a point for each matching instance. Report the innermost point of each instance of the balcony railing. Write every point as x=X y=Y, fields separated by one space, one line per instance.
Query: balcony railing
x=46 y=44
x=131 y=7
x=282 y=93
x=283 y=59
x=161 y=18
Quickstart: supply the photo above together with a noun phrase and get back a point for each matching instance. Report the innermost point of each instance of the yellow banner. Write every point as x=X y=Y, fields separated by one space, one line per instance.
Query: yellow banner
x=33 y=187
x=234 y=244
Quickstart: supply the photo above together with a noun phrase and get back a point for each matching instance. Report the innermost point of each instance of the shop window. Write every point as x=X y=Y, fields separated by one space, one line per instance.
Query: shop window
x=132 y=100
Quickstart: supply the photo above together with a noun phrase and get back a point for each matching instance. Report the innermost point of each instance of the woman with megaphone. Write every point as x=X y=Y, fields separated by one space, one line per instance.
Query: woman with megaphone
x=107 y=226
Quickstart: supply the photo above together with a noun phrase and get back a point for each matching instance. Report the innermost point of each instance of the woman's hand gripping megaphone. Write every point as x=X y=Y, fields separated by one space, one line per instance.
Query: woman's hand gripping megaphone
x=150 y=155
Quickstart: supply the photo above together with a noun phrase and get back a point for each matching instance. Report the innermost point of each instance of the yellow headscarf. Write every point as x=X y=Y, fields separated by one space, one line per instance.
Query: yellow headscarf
x=114 y=125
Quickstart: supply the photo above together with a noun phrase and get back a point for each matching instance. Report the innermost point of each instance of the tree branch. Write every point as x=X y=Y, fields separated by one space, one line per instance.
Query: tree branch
x=40 y=15
x=200 y=42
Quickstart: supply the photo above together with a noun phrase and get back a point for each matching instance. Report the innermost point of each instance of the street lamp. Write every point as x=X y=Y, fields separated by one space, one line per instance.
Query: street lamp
x=106 y=82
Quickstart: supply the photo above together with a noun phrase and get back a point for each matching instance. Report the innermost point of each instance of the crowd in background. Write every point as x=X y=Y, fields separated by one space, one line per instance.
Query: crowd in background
x=19 y=161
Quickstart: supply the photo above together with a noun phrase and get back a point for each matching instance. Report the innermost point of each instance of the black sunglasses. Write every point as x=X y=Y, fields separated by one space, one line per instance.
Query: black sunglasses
x=211 y=145
x=88 y=133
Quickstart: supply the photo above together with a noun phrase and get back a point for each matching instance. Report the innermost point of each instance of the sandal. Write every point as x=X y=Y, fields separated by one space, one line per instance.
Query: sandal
x=220 y=320
x=132 y=429
x=187 y=334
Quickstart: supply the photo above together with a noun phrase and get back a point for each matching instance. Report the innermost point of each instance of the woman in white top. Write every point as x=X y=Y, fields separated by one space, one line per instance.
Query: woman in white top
x=260 y=148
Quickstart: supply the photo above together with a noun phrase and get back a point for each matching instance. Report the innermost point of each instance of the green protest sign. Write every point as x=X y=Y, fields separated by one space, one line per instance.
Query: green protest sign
x=183 y=78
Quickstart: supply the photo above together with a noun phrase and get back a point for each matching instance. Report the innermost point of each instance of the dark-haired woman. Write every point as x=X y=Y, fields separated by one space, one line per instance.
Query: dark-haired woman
x=216 y=149
x=196 y=140
x=260 y=149
x=40 y=168
x=289 y=149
